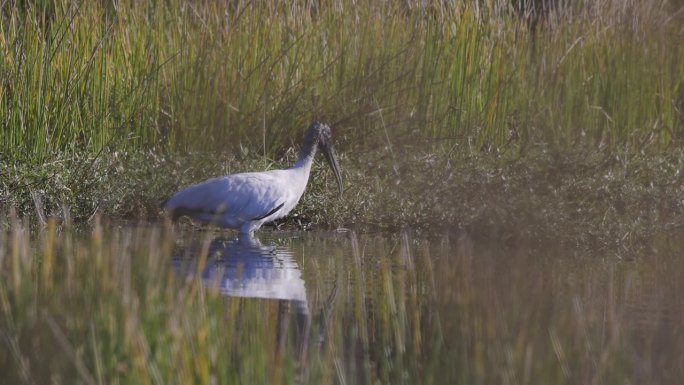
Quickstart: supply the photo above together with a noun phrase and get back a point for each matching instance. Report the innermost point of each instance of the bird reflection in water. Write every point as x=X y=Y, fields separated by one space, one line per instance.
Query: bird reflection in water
x=243 y=267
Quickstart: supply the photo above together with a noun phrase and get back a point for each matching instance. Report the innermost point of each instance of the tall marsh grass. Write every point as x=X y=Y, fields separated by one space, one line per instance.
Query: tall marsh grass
x=80 y=76
x=108 y=107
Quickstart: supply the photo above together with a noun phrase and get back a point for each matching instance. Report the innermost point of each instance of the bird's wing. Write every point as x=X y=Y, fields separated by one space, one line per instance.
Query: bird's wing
x=248 y=196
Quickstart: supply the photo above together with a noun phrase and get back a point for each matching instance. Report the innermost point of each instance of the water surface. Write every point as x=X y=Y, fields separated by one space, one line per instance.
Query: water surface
x=137 y=303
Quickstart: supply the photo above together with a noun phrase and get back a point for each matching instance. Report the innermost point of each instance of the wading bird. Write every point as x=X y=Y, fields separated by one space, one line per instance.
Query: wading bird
x=246 y=201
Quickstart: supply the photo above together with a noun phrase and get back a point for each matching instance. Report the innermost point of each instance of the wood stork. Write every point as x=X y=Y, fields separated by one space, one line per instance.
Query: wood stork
x=246 y=201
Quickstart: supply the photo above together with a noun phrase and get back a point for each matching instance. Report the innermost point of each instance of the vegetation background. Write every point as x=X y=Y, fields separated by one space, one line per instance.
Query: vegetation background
x=483 y=114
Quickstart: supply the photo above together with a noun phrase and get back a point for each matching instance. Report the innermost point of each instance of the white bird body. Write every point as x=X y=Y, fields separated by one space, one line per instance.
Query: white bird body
x=246 y=201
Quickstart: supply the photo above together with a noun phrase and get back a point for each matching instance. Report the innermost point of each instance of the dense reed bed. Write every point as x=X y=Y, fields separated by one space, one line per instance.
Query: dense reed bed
x=196 y=75
x=108 y=307
x=108 y=107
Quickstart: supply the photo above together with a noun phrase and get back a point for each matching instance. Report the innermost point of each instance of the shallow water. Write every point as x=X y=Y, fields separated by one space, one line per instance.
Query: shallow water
x=338 y=307
x=503 y=307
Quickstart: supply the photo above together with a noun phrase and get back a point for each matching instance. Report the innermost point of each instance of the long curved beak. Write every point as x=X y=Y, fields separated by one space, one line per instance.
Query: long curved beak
x=330 y=156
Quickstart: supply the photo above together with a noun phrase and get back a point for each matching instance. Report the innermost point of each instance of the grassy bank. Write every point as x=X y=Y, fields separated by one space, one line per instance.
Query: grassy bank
x=110 y=107
x=582 y=199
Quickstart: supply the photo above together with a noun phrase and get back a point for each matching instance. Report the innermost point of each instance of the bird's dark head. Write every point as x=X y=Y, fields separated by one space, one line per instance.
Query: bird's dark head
x=320 y=135
x=317 y=135
x=324 y=134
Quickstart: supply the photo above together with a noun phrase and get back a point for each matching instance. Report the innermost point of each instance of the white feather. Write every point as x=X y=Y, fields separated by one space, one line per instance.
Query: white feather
x=242 y=201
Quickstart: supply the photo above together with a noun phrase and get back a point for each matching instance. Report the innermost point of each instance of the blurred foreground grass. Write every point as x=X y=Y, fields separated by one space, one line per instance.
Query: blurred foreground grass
x=107 y=307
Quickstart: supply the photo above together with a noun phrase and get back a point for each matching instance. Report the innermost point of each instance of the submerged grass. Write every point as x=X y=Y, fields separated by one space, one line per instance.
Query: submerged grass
x=108 y=107
x=107 y=307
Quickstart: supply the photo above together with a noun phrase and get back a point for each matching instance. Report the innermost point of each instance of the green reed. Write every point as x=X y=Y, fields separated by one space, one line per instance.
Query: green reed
x=85 y=75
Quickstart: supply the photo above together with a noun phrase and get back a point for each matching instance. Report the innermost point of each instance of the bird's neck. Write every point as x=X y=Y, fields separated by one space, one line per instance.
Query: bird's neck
x=306 y=154
x=302 y=169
